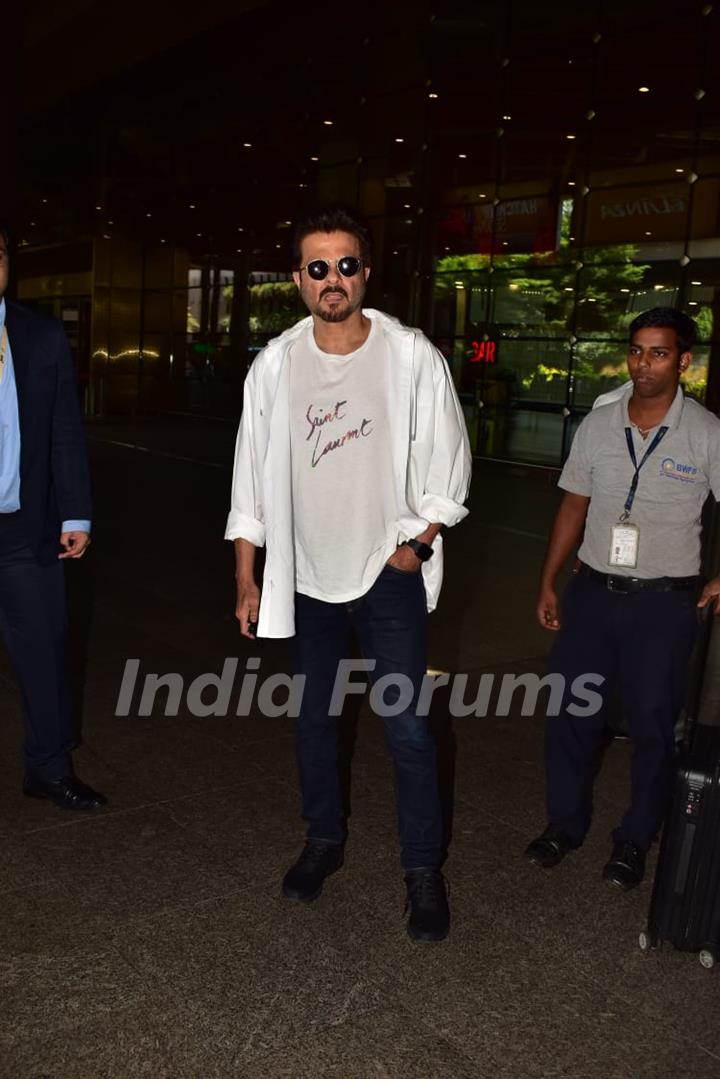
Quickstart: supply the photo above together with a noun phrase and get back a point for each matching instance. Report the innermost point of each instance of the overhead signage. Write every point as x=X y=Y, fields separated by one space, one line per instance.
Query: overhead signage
x=514 y=226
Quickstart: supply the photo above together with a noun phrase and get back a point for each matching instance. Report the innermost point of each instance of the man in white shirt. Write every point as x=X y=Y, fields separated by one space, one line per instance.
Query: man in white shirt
x=351 y=455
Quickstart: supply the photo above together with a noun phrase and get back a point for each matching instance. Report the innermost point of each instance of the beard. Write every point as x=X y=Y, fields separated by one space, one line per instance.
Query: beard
x=336 y=313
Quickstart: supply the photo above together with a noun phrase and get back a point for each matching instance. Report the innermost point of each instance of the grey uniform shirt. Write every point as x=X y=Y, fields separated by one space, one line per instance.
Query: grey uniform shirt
x=672 y=486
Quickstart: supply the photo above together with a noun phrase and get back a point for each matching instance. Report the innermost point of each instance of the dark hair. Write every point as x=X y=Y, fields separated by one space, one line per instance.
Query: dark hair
x=333 y=219
x=663 y=318
x=5 y=235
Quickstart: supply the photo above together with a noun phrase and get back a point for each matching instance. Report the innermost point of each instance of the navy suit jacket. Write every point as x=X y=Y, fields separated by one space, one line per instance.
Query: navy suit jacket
x=54 y=475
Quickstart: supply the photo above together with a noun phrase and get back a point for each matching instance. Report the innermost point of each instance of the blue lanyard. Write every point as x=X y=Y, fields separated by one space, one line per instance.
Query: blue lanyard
x=660 y=434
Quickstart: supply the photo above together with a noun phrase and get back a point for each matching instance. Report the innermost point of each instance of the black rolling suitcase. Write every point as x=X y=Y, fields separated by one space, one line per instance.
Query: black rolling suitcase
x=685 y=903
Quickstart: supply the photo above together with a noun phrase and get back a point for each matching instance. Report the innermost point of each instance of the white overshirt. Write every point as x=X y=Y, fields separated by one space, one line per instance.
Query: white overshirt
x=431 y=460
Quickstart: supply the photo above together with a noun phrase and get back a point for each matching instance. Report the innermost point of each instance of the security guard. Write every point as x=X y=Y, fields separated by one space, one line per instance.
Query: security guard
x=635 y=481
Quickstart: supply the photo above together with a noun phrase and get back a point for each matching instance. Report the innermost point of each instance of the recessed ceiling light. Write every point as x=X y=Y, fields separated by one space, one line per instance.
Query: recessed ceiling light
x=570 y=136
x=247 y=145
x=462 y=156
x=148 y=215
x=44 y=200
x=432 y=95
x=198 y=234
x=507 y=117
x=643 y=89
x=648 y=233
x=679 y=170
x=328 y=123
x=239 y=250
x=696 y=282
x=98 y=207
x=399 y=140
x=571 y=183
x=624 y=289
x=192 y=205
x=314 y=158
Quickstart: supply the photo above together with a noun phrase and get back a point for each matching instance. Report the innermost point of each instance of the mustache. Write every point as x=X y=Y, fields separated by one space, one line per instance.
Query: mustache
x=333 y=289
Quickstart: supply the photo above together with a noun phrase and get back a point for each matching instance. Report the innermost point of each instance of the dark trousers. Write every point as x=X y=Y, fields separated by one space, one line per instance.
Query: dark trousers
x=389 y=621
x=641 y=643
x=33 y=624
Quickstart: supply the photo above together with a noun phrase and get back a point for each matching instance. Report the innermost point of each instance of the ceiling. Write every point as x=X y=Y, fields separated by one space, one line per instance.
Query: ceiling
x=187 y=123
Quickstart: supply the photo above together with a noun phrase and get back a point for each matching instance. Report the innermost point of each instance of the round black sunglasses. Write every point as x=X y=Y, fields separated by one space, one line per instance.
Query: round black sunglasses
x=318 y=269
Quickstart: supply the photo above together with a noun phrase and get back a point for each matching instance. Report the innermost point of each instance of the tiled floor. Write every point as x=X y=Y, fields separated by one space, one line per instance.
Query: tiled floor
x=151 y=939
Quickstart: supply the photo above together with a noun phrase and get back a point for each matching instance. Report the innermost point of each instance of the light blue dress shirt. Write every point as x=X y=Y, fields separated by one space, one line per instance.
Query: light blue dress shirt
x=10 y=440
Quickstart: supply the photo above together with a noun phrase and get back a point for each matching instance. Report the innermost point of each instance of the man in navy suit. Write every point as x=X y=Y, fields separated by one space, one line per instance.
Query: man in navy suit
x=44 y=519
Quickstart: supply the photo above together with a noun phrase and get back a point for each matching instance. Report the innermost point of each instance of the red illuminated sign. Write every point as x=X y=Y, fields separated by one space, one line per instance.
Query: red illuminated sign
x=482 y=352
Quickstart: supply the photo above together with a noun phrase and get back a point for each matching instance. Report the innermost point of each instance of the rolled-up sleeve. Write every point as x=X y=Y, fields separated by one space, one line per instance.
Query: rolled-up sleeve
x=448 y=477
x=246 y=517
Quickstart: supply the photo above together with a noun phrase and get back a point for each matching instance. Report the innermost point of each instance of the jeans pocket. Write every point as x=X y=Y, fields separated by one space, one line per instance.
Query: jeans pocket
x=403 y=572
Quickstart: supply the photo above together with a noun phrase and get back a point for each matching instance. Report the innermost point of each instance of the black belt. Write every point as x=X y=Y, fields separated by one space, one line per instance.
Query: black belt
x=614 y=583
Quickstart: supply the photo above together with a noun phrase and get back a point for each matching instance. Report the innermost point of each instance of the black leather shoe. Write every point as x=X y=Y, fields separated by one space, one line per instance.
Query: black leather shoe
x=626 y=867
x=549 y=848
x=304 y=880
x=427 y=903
x=68 y=792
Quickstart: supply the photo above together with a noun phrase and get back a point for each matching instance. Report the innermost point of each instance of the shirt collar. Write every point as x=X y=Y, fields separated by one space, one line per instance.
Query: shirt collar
x=670 y=420
x=2 y=312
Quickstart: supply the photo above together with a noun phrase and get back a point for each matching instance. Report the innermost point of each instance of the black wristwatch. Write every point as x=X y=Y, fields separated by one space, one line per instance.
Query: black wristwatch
x=423 y=550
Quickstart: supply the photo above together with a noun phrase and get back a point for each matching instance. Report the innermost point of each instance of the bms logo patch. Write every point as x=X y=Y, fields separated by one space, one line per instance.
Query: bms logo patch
x=675 y=470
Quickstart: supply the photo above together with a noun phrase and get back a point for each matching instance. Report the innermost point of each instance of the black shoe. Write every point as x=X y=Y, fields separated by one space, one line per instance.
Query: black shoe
x=549 y=848
x=626 y=867
x=427 y=902
x=68 y=792
x=304 y=880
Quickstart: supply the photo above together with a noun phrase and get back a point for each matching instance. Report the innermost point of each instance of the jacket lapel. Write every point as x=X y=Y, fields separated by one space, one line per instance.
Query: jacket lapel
x=20 y=349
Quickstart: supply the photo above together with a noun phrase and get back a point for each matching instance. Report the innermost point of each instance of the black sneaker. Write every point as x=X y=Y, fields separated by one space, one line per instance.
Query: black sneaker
x=427 y=902
x=549 y=848
x=304 y=880
x=626 y=867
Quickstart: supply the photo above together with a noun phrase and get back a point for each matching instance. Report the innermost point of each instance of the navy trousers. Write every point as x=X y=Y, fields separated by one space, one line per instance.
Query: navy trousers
x=389 y=621
x=33 y=625
x=641 y=643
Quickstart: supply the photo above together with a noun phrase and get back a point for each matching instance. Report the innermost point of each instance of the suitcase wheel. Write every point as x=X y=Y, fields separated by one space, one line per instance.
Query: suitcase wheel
x=707 y=959
x=647 y=941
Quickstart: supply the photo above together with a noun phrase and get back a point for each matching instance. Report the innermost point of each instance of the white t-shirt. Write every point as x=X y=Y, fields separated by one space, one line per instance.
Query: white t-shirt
x=344 y=502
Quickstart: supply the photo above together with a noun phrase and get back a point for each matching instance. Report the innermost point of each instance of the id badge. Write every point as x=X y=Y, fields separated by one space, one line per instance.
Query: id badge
x=624 y=545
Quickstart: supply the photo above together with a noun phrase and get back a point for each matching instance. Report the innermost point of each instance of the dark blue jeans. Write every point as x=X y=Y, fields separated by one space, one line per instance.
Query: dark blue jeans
x=641 y=643
x=389 y=622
